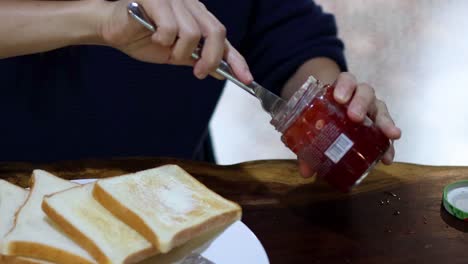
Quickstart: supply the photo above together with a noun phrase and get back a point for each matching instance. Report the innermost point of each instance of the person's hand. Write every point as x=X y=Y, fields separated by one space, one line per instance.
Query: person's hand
x=362 y=101
x=181 y=24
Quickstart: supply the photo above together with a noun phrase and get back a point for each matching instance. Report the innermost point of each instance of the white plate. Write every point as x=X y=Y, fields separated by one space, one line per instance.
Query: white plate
x=236 y=244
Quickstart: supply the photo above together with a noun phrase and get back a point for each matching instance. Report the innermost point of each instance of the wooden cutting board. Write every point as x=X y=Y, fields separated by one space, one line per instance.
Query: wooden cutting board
x=305 y=221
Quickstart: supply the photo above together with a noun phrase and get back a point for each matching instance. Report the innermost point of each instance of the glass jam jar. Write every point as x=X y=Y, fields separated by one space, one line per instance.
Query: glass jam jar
x=318 y=130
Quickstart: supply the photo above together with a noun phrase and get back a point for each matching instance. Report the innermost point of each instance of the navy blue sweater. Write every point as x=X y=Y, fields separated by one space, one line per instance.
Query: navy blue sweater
x=96 y=102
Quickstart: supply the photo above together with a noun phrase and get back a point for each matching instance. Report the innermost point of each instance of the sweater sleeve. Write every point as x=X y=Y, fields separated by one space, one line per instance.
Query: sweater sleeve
x=283 y=35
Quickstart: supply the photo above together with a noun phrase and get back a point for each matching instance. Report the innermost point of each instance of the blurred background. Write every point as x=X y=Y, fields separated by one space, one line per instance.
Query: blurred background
x=415 y=54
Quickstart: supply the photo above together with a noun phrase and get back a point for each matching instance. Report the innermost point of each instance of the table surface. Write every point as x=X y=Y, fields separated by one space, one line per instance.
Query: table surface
x=305 y=221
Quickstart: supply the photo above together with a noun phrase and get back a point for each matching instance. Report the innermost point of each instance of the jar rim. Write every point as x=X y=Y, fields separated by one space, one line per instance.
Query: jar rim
x=296 y=104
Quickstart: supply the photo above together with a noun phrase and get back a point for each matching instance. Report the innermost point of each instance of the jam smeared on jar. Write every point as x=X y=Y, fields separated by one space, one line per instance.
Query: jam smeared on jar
x=318 y=130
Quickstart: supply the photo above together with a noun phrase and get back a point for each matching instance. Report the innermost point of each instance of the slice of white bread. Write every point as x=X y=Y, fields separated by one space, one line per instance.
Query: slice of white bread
x=105 y=237
x=166 y=205
x=35 y=235
x=12 y=198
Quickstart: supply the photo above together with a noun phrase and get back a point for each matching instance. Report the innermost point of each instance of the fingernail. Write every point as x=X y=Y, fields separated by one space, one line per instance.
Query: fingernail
x=399 y=130
x=396 y=132
x=249 y=75
x=198 y=73
x=340 y=95
x=195 y=72
x=358 y=111
x=386 y=159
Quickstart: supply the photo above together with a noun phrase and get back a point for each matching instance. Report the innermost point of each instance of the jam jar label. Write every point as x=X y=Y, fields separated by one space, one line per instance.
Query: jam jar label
x=327 y=145
x=339 y=148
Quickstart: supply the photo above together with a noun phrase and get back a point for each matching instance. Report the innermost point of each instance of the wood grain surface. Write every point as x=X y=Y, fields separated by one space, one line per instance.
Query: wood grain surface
x=305 y=221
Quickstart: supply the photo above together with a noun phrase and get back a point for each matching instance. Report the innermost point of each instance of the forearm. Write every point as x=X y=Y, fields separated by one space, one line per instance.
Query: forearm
x=31 y=26
x=324 y=69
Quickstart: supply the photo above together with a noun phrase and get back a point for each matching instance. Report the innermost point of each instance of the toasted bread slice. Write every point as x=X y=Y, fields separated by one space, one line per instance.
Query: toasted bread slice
x=37 y=236
x=11 y=199
x=166 y=205
x=105 y=237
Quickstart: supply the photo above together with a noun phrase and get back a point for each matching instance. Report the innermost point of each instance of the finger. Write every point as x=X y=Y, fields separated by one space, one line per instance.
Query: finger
x=363 y=101
x=144 y=49
x=189 y=35
x=238 y=64
x=305 y=170
x=217 y=75
x=345 y=86
x=161 y=12
x=385 y=123
x=214 y=43
x=388 y=157
x=373 y=109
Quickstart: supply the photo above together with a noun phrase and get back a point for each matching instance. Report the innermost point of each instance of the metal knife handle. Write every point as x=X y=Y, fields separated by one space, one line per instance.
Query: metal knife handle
x=138 y=13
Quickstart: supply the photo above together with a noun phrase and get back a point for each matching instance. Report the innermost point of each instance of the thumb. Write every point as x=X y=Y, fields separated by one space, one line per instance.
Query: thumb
x=305 y=170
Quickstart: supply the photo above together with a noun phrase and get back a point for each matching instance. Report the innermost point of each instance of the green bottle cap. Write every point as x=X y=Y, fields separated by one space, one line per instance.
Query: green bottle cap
x=456 y=199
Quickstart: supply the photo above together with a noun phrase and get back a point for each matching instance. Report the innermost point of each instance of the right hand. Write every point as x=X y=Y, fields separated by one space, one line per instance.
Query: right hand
x=181 y=24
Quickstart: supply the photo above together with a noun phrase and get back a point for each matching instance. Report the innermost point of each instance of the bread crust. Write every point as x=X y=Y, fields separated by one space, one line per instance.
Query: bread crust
x=20 y=260
x=74 y=233
x=125 y=214
x=43 y=252
x=87 y=243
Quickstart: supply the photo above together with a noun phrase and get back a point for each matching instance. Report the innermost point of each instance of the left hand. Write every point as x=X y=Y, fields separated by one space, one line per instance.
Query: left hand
x=362 y=101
